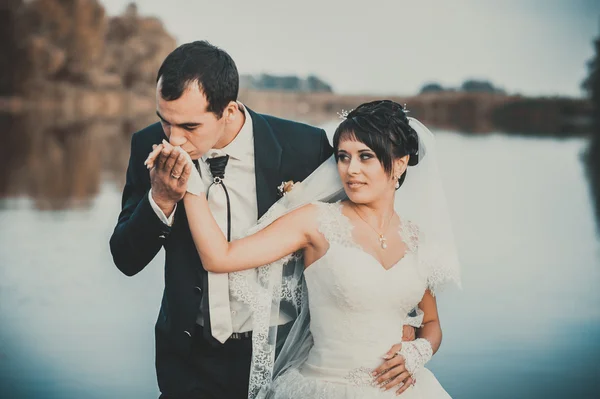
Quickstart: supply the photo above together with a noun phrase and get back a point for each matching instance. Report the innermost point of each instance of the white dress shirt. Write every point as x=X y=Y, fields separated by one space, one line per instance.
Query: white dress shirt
x=240 y=181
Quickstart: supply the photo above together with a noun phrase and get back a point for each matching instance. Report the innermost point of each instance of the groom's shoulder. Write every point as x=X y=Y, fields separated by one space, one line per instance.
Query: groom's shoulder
x=300 y=141
x=287 y=127
x=151 y=134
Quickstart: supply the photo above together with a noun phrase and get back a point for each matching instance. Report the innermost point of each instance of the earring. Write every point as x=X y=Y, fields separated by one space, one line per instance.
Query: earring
x=397 y=182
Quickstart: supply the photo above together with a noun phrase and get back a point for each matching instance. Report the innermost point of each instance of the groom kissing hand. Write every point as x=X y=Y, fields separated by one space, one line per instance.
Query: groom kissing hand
x=204 y=332
x=168 y=177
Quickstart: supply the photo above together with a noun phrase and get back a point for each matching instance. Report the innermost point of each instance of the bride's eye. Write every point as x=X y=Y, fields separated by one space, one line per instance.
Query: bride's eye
x=366 y=157
x=343 y=157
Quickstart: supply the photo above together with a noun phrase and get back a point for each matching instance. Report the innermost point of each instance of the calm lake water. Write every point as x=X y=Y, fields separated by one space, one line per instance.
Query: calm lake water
x=525 y=325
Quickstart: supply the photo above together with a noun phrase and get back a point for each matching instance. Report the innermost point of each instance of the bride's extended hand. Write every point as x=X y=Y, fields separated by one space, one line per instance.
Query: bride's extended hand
x=194 y=181
x=156 y=150
x=156 y=153
x=393 y=370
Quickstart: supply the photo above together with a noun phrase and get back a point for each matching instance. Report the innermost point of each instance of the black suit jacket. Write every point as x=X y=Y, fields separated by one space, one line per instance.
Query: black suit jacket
x=284 y=150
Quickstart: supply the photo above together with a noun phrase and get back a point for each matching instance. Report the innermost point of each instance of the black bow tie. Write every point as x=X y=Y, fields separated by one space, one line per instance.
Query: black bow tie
x=217 y=169
x=217 y=166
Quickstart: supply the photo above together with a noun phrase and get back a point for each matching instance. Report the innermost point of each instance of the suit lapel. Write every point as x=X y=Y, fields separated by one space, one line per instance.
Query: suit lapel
x=267 y=162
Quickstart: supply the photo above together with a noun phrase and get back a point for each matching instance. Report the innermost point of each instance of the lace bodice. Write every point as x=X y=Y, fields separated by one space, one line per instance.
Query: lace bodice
x=358 y=307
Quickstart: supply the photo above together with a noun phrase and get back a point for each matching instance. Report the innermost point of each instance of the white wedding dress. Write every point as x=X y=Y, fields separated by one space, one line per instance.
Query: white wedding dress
x=357 y=310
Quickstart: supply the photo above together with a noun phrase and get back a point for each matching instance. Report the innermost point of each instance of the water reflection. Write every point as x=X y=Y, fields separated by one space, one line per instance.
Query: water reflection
x=60 y=165
x=72 y=326
x=592 y=160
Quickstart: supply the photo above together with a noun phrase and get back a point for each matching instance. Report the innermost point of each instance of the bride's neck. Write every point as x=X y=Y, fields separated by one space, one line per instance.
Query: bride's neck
x=379 y=212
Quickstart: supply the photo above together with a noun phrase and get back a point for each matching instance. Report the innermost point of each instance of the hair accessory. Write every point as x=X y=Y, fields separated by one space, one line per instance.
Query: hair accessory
x=344 y=114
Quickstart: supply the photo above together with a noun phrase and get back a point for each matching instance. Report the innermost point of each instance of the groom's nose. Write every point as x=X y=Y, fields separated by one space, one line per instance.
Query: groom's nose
x=177 y=137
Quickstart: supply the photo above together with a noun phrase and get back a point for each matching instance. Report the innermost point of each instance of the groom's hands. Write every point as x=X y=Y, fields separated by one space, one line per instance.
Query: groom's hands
x=169 y=173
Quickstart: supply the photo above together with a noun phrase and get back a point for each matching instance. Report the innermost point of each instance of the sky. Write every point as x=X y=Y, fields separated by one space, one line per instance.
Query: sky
x=531 y=47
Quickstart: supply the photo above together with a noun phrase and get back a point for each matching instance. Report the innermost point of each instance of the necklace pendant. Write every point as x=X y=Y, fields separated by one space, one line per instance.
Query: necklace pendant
x=382 y=240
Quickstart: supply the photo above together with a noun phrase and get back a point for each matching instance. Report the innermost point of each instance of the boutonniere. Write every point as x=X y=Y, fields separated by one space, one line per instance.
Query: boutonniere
x=285 y=187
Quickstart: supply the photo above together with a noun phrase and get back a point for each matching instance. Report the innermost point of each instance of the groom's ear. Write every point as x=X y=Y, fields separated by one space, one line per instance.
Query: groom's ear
x=230 y=112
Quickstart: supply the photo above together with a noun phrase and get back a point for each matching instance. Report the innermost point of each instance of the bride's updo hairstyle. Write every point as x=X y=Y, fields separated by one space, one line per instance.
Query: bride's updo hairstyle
x=383 y=127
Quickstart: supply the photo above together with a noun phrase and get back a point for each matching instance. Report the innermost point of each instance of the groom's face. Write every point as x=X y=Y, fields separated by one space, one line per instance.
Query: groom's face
x=188 y=124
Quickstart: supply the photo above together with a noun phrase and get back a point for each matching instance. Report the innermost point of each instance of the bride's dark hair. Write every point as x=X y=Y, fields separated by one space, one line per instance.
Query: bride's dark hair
x=383 y=127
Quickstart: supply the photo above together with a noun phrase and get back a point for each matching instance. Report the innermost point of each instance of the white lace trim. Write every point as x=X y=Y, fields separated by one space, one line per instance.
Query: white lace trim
x=409 y=232
x=416 y=321
x=337 y=228
x=437 y=266
x=360 y=377
x=244 y=285
x=293 y=384
x=431 y=258
x=262 y=289
x=291 y=291
x=334 y=225
x=416 y=354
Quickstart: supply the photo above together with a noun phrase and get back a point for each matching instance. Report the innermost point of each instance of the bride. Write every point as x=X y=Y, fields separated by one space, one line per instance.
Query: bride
x=367 y=260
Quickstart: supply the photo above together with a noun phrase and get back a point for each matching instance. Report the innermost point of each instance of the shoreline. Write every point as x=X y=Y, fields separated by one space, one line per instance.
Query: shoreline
x=469 y=113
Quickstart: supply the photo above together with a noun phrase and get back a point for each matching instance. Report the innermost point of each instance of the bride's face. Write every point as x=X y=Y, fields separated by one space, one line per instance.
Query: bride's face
x=365 y=180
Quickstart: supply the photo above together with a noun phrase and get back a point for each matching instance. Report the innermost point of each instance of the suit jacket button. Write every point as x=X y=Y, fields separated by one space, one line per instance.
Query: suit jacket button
x=198 y=290
x=162 y=236
x=188 y=333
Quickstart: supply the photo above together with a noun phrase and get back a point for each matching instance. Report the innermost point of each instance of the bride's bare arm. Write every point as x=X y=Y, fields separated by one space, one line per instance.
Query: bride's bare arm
x=431 y=329
x=284 y=236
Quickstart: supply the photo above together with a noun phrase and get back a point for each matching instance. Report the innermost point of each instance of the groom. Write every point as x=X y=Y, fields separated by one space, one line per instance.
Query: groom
x=203 y=336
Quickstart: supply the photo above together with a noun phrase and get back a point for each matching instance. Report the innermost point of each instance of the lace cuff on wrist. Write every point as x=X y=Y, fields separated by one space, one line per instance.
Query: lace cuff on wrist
x=416 y=353
x=415 y=321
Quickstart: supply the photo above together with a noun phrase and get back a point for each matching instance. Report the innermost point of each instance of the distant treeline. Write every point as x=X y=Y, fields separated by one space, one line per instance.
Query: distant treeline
x=469 y=86
x=558 y=117
x=284 y=83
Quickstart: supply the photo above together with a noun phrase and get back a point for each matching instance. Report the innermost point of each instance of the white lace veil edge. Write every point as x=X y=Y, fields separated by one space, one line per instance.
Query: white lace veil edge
x=278 y=291
x=422 y=200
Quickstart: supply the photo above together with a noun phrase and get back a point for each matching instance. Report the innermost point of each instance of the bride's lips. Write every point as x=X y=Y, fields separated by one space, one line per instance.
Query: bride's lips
x=354 y=185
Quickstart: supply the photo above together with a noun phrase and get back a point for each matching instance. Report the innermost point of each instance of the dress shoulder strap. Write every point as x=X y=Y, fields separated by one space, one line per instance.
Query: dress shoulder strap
x=333 y=224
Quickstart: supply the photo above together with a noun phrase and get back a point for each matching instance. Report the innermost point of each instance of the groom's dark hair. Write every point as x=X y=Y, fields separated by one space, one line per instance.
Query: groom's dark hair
x=200 y=63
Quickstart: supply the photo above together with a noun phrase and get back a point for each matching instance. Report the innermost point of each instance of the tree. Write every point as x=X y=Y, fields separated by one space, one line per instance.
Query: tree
x=11 y=78
x=286 y=83
x=479 y=86
x=592 y=86
x=592 y=157
x=432 y=88
x=316 y=84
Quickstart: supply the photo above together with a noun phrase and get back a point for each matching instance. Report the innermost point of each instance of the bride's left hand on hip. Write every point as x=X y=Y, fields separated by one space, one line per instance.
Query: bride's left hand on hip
x=392 y=372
